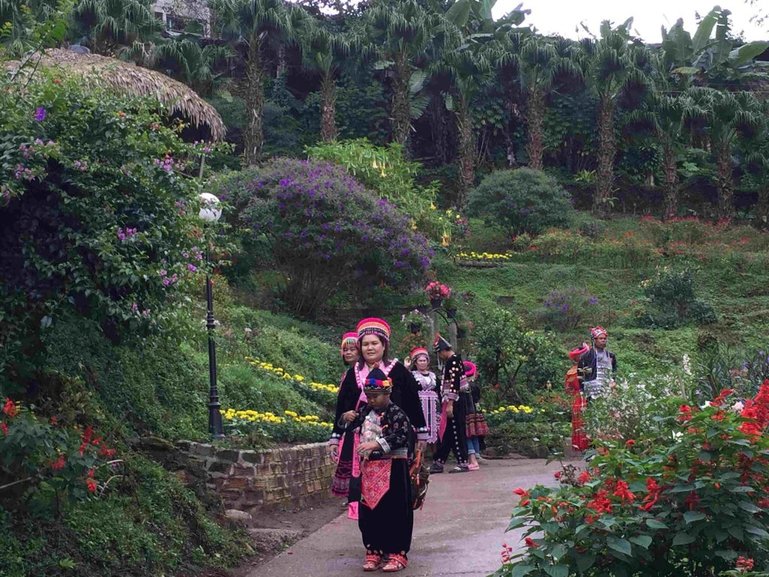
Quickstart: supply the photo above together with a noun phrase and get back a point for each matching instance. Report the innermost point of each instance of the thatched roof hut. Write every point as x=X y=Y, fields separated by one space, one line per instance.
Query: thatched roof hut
x=127 y=78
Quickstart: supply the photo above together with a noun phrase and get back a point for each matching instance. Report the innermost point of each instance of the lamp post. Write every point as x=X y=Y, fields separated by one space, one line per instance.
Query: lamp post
x=210 y=212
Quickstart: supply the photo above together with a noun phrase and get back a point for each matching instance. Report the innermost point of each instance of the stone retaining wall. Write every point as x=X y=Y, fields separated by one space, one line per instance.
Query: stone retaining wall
x=247 y=480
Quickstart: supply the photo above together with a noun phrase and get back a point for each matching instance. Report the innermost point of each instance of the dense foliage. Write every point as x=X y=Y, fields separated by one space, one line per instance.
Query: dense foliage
x=521 y=200
x=325 y=231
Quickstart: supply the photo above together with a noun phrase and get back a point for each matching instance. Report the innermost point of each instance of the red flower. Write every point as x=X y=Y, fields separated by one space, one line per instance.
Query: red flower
x=59 y=463
x=4 y=428
x=91 y=485
x=583 y=478
x=718 y=416
x=719 y=400
x=10 y=408
x=106 y=452
x=54 y=420
x=629 y=443
x=623 y=492
x=744 y=564
x=692 y=500
x=521 y=492
x=557 y=474
x=685 y=413
x=600 y=502
x=531 y=543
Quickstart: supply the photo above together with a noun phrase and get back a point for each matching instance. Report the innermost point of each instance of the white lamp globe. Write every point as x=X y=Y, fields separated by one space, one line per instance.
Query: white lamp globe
x=209 y=207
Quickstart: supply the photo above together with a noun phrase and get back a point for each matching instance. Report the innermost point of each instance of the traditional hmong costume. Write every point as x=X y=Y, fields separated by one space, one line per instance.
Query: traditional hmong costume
x=404 y=394
x=386 y=518
x=428 y=394
x=579 y=439
x=347 y=442
x=596 y=367
x=476 y=427
x=452 y=430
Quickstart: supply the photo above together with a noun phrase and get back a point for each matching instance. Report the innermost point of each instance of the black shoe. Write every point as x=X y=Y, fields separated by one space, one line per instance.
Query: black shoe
x=436 y=468
x=460 y=469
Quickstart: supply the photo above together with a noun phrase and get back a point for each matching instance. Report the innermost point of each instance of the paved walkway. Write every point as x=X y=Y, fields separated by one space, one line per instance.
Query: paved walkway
x=459 y=532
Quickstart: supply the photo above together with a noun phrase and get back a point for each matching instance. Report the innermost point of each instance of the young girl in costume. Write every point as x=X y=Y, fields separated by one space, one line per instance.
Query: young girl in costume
x=476 y=422
x=385 y=516
x=340 y=484
x=428 y=390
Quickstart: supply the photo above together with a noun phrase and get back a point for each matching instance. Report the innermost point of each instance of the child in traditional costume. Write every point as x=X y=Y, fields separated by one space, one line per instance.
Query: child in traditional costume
x=385 y=518
x=428 y=390
x=579 y=440
x=453 y=417
x=340 y=484
x=476 y=428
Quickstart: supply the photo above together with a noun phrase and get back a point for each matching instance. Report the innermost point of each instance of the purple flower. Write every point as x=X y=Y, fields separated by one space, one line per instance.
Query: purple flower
x=40 y=113
x=592 y=301
x=192 y=268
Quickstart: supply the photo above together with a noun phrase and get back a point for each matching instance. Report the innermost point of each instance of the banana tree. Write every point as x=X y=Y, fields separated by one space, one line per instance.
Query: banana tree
x=113 y=25
x=612 y=72
x=259 y=28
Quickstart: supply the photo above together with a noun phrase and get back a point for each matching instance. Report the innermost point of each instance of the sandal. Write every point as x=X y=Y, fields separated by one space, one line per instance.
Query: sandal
x=395 y=563
x=473 y=466
x=372 y=562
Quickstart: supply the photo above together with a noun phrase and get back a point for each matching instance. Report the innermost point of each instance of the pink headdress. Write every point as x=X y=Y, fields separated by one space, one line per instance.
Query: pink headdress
x=470 y=368
x=374 y=326
x=575 y=354
x=418 y=352
x=598 y=331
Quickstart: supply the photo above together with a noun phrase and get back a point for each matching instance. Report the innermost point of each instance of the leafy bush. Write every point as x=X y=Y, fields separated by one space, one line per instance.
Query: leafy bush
x=93 y=211
x=721 y=367
x=690 y=506
x=385 y=169
x=325 y=231
x=566 y=309
x=517 y=359
x=671 y=300
x=522 y=200
x=532 y=439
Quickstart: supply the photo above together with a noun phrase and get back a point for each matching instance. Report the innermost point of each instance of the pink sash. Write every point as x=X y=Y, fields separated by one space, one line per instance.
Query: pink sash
x=375 y=482
x=444 y=421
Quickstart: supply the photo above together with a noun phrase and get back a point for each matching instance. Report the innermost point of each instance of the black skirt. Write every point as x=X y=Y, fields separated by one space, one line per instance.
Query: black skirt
x=388 y=527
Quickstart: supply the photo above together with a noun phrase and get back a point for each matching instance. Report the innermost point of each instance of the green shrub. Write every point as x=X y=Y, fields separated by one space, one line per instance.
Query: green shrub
x=522 y=200
x=316 y=219
x=537 y=440
x=671 y=300
x=567 y=309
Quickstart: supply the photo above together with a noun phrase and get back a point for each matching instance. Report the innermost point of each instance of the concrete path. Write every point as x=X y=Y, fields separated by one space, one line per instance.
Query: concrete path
x=459 y=532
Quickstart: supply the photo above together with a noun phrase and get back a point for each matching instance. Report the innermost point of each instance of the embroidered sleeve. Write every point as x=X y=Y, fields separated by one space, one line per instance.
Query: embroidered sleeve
x=452 y=379
x=395 y=433
x=412 y=406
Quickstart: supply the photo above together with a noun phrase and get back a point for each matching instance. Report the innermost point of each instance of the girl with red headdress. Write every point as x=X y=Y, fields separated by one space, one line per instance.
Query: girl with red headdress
x=579 y=439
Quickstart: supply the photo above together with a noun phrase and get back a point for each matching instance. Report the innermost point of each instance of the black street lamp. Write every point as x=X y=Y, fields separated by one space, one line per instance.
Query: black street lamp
x=210 y=212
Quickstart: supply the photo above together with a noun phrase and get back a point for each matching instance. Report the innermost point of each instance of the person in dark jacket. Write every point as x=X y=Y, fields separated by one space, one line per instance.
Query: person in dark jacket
x=596 y=368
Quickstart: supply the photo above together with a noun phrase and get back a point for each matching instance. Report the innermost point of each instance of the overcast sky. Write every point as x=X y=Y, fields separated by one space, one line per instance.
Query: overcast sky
x=564 y=16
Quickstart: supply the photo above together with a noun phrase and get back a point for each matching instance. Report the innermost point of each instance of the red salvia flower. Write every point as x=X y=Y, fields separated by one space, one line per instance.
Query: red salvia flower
x=10 y=408
x=744 y=564
x=629 y=443
x=91 y=485
x=583 y=478
x=59 y=463
x=531 y=543
x=623 y=492
x=4 y=428
x=684 y=413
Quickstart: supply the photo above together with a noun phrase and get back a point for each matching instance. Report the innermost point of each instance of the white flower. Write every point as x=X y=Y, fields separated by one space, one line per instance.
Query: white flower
x=738 y=406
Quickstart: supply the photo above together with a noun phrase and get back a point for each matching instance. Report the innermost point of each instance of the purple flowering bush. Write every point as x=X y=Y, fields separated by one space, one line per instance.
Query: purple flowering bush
x=94 y=198
x=567 y=309
x=325 y=231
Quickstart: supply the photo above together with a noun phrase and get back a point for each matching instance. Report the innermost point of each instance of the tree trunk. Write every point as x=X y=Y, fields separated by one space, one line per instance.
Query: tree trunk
x=401 y=107
x=762 y=208
x=535 y=147
x=724 y=182
x=466 y=152
x=254 y=135
x=607 y=148
x=671 y=181
x=328 y=130
x=439 y=131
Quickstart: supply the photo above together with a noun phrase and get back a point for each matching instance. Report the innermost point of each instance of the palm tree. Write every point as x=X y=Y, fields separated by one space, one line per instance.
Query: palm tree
x=400 y=33
x=186 y=60
x=260 y=27
x=542 y=63
x=113 y=25
x=722 y=118
x=612 y=72
x=322 y=52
